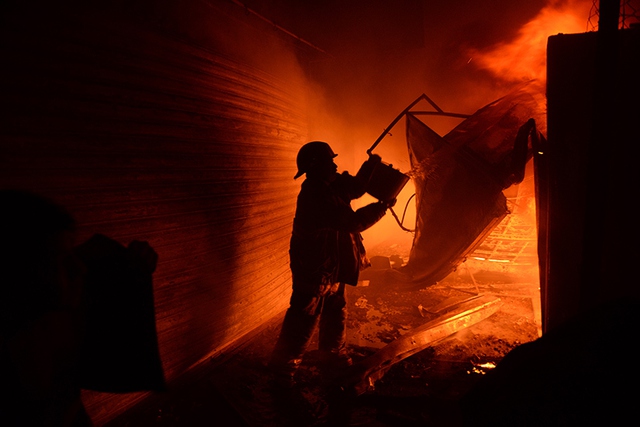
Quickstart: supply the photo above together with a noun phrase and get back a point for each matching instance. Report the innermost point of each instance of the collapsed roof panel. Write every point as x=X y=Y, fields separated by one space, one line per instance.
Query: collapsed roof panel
x=490 y=132
x=459 y=179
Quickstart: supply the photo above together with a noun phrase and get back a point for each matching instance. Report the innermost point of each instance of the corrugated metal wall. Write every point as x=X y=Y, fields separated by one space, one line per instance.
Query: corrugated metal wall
x=145 y=134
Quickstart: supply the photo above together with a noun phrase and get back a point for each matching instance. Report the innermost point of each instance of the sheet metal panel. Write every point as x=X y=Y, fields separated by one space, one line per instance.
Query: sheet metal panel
x=143 y=134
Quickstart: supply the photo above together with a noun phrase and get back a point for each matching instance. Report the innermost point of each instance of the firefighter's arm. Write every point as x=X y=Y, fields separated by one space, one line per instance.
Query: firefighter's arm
x=363 y=218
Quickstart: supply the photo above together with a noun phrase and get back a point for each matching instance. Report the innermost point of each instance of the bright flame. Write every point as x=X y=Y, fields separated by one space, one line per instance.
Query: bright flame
x=479 y=258
x=524 y=58
x=482 y=368
x=488 y=365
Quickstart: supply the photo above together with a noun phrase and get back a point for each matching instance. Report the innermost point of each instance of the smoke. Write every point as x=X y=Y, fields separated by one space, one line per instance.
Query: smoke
x=381 y=56
x=524 y=57
x=375 y=57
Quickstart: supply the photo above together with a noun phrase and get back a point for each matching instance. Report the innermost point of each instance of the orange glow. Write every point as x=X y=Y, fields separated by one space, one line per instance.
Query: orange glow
x=488 y=365
x=386 y=237
x=482 y=368
x=490 y=259
x=524 y=58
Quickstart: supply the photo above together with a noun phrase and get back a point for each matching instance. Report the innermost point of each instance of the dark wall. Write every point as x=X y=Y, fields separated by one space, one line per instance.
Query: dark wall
x=156 y=121
x=591 y=232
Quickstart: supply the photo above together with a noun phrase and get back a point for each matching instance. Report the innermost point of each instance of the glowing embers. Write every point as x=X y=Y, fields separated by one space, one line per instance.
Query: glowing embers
x=482 y=368
x=363 y=375
x=490 y=260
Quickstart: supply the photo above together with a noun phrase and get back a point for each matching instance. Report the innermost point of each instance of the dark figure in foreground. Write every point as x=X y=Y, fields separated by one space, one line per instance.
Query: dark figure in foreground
x=583 y=372
x=326 y=253
x=43 y=310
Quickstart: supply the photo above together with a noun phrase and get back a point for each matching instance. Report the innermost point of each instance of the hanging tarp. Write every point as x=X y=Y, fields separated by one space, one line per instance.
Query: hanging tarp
x=459 y=179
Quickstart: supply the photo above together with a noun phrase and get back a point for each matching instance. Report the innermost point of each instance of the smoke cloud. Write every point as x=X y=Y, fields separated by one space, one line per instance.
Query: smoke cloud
x=375 y=57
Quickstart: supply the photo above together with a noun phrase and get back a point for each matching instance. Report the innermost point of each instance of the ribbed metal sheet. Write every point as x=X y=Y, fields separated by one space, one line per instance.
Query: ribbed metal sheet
x=144 y=136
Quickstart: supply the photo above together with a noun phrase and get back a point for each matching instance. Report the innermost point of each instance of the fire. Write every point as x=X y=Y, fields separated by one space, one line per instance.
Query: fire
x=482 y=368
x=490 y=259
x=524 y=58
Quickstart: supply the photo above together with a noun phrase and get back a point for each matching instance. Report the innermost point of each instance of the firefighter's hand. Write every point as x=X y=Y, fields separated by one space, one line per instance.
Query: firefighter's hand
x=374 y=158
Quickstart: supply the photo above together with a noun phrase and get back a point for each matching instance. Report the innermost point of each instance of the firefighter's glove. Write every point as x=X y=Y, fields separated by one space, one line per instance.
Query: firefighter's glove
x=328 y=289
x=366 y=170
x=374 y=158
x=390 y=203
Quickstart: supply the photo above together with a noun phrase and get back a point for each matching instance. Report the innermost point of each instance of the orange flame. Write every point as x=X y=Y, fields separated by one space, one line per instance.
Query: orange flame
x=524 y=58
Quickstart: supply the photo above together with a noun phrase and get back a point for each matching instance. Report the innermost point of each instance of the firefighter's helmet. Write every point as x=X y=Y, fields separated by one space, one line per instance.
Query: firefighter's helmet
x=309 y=155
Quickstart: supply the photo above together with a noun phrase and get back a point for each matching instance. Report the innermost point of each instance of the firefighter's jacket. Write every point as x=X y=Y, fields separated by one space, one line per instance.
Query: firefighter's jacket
x=326 y=245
